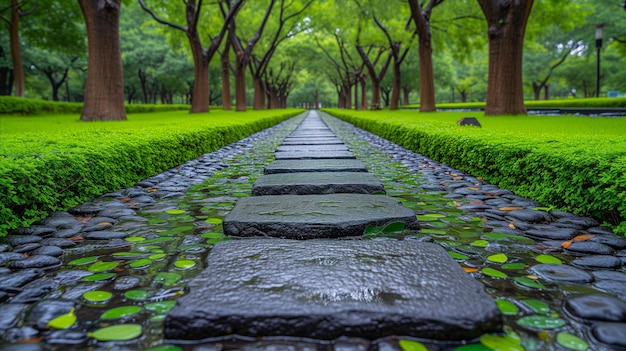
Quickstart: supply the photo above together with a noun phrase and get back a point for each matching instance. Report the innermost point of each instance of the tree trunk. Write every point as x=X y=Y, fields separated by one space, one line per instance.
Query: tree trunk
x=226 y=98
x=16 y=52
x=348 y=96
x=104 y=91
x=427 y=78
x=240 y=86
x=363 y=81
x=537 y=90
x=201 y=89
x=406 y=92
x=356 y=93
x=259 y=94
x=546 y=91
x=395 y=93
x=506 y=29
x=316 y=99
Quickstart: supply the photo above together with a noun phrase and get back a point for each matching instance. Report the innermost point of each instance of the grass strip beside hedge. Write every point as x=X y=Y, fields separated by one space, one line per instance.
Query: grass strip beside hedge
x=554 y=103
x=576 y=164
x=11 y=105
x=54 y=162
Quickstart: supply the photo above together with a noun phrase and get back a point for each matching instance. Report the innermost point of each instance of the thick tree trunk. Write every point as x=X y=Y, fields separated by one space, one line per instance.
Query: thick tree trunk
x=104 y=91
x=506 y=29
x=240 y=86
x=406 y=91
x=201 y=89
x=348 y=96
x=226 y=98
x=546 y=91
x=427 y=78
x=259 y=94
x=395 y=93
x=16 y=52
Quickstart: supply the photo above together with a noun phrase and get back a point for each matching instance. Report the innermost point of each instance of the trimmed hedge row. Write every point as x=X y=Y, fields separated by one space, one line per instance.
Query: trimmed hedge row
x=583 y=176
x=555 y=103
x=74 y=165
x=21 y=106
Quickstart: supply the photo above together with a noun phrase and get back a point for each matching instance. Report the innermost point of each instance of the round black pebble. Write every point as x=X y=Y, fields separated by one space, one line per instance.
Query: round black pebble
x=613 y=334
x=597 y=261
x=561 y=273
x=597 y=307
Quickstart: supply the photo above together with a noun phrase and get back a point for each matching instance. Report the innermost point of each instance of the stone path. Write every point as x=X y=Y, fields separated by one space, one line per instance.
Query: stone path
x=564 y=276
x=326 y=289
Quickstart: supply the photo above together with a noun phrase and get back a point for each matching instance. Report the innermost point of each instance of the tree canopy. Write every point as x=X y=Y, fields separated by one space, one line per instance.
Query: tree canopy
x=352 y=53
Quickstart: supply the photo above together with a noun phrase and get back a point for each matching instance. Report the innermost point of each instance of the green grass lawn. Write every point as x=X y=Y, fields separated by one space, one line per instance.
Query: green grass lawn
x=572 y=163
x=53 y=162
x=554 y=103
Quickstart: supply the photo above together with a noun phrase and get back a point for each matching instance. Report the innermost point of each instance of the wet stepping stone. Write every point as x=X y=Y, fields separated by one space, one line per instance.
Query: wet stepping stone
x=309 y=183
x=314 y=155
x=314 y=216
x=296 y=166
x=309 y=148
x=303 y=141
x=325 y=289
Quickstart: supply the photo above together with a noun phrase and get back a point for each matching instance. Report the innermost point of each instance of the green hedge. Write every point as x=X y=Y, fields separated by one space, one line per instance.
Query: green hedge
x=50 y=163
x=557 y=103
x=576 y=164
x=20 y=106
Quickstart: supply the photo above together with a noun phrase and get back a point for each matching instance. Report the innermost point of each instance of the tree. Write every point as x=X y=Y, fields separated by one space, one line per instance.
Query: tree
x=421 y=16
x=16 y=12
x=506 y=27
x=243 y=55
x=104 y=91
x=286 y=26
x=201 y=55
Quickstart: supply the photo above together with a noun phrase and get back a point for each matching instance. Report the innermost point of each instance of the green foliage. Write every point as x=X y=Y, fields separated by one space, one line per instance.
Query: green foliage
x=10 y=105
x=576 y=164
x=54 y=162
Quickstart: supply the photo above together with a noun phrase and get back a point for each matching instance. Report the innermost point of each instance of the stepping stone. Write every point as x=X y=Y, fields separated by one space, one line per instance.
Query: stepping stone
x=320 y=134
x=326 y=289
x=292 y=166
x=314 y=216
x=335 y=141
x=314 y=155
x=311 y=148
x=317 y=183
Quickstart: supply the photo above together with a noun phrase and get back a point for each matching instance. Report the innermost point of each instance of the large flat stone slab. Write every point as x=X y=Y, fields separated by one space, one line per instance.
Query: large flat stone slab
x=314 y=155
x=311 y=148
x=333 y=165
x=325 y=289
x=302 y=141
x=308 y=183
x=314 y=216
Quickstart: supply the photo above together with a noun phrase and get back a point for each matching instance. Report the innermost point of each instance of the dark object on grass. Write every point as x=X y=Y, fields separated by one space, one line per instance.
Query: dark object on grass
x=469 y=121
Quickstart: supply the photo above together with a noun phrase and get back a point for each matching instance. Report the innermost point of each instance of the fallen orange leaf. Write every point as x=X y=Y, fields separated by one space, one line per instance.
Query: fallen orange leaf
x=473 y=188
x=470 y=269
x=476 y=202
x=479 y=178
x=84 y=219
x=456 y=203
x=566 y=244
x=151 y=190
x=74 y=238
x=584 y=237
x=126 y=199
x=510 y=208
x=512 y=225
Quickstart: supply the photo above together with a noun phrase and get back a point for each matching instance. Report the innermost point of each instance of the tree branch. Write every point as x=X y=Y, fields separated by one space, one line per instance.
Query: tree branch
x=159 y=19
